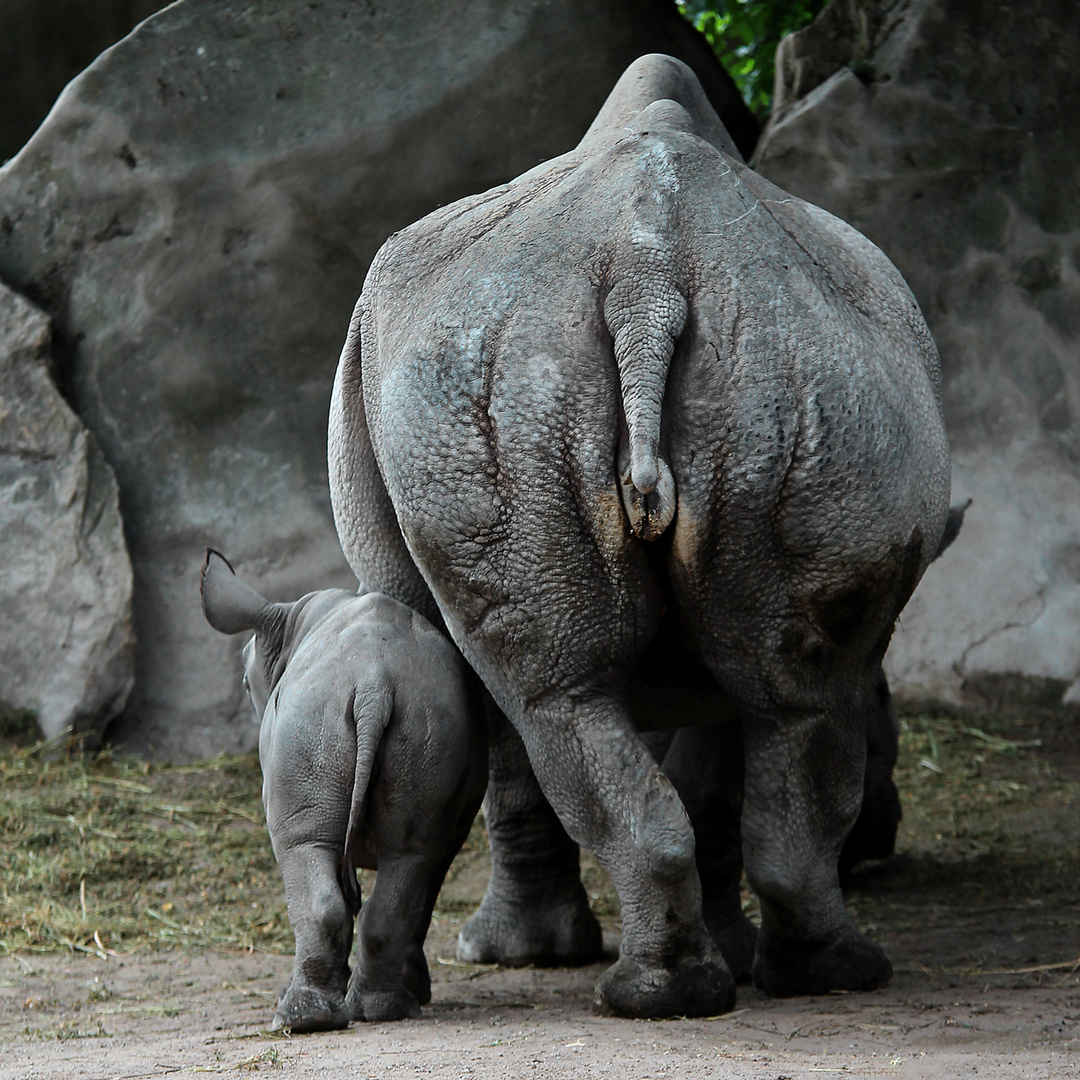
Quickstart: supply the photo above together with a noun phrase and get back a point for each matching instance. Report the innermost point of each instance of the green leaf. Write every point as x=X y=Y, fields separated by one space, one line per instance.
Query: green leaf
x=744 y=35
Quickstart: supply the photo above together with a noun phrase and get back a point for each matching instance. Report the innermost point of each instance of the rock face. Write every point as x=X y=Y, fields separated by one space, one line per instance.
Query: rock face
x=67 y=648
x=945 y=130
x=197 y=214
x=44 y=44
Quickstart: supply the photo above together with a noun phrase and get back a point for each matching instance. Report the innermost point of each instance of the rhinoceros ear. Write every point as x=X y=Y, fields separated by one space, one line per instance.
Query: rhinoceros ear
x=228 y=604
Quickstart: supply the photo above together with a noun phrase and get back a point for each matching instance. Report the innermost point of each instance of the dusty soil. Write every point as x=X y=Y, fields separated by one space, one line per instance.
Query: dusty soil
x=979 y=911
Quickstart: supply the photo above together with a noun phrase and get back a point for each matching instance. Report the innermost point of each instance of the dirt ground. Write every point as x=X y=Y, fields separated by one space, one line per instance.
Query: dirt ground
x=979 y=911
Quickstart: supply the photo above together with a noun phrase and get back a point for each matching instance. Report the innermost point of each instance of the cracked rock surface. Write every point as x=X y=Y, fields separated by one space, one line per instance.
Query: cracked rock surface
x=197 y=214
x=66 y=640
x=925 y=124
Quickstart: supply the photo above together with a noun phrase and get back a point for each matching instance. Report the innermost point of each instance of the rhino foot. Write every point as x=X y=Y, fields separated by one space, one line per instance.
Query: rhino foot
x=372 y=1005
x=308 y=1009
x=415 y=976
x=737 y=940
x=515 y=933
x=850 y=961
x=634 y=989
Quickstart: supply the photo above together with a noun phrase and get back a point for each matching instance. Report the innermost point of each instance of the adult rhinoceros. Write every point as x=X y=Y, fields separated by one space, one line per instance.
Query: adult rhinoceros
x=641 y=407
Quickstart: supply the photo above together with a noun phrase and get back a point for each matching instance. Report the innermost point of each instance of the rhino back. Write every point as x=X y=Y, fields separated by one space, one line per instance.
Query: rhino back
x=800 y=409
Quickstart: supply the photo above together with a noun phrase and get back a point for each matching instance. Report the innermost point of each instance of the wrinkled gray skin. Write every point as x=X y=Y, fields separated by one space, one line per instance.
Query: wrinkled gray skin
x=372 y=755
x=655 y=436
x=535 y=911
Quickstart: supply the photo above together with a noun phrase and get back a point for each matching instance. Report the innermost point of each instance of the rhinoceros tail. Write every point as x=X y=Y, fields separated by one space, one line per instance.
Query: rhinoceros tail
x=645 y=311
x=369 y=712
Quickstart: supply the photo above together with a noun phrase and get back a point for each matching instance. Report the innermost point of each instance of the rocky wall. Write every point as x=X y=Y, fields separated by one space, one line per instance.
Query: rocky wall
x=67 y=647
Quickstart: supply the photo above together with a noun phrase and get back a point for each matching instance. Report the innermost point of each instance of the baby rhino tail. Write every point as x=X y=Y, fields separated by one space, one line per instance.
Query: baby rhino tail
x=370 y=713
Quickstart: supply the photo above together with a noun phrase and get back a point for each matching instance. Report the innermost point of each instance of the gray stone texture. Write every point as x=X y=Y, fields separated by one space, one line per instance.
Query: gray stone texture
x=67 y=648
x=946 y=131
x=197 y=214
x=46 y=43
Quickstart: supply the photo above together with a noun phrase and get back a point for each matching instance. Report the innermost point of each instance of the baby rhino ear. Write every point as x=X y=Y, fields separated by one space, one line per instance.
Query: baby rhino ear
x=228 y=604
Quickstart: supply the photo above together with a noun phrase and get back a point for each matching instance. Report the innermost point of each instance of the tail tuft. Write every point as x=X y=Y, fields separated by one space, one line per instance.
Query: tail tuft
x=650 y=513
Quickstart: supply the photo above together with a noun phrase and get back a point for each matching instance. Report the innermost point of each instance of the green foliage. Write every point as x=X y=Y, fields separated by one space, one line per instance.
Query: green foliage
x=744 y=35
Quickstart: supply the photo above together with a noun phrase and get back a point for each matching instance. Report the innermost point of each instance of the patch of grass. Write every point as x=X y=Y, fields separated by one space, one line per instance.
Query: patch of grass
x=991 y=825
x=1007 y=790
x=101 y=853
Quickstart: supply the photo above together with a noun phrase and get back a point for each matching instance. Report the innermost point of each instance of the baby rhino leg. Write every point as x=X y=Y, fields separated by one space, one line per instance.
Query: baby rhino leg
x=392 y=921
x=322 y=922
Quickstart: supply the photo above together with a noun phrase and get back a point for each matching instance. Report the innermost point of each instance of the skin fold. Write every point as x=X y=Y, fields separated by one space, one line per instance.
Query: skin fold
x=656 y=440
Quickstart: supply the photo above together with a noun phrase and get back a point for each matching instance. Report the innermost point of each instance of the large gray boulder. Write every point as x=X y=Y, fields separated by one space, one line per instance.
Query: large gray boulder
x=945 y=130
x=67 y=647
x=197 y=215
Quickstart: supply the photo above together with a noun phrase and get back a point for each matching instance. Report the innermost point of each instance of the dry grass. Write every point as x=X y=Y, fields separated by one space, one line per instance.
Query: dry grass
x=989 y=848
x=101 y=853
x=996 y=798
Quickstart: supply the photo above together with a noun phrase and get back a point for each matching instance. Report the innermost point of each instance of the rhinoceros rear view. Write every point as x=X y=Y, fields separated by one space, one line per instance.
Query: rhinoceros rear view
x=641 y=392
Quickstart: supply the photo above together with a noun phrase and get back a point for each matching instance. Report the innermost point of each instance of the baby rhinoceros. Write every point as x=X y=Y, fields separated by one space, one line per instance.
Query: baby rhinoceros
x=373 y=755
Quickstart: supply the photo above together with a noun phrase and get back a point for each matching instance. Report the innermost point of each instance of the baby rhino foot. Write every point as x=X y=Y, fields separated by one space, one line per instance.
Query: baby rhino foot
x=849 y=961
x=305 y=1008
x=515 y=933
x=695 y=988
x=369 y=1005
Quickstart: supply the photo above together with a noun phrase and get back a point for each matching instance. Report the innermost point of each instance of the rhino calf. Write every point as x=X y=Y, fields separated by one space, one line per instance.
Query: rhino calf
x=372 y=756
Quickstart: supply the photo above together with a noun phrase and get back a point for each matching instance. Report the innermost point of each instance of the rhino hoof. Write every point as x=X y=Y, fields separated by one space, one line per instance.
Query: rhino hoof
x=373 y=1005
x=308 y=1009
x=634 y=989
x=850 y=961
x=514 y=935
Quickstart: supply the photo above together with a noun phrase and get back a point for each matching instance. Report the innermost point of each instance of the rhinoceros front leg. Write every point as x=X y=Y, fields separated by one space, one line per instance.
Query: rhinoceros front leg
x=874 y=834
x=535 y=909
x=706 y=766
x=804 y=774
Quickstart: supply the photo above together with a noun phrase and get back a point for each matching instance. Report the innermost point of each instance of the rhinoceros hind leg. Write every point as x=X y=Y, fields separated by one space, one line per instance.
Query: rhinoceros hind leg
x=393 y=924
x=322 y=922
x=415 y=976
x=804 y=776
